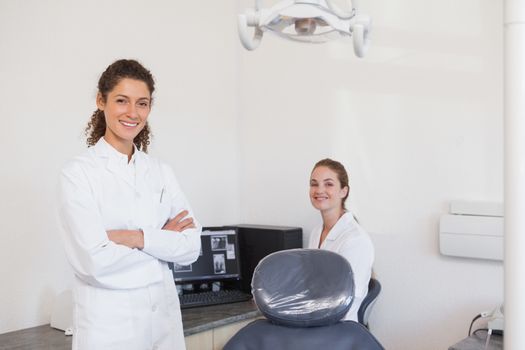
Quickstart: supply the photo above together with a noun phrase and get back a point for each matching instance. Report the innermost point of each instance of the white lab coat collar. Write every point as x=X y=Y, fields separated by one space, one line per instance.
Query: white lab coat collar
x=104 y=149
x=117 y=160
x=342 y=225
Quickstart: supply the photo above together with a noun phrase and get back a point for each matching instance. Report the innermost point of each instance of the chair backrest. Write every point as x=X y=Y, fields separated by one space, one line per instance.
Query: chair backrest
x=303 y=293
x=303 y=287
x=374 y=288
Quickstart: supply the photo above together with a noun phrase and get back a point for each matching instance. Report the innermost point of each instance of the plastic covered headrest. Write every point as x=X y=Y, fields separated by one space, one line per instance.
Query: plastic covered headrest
x=303 y=287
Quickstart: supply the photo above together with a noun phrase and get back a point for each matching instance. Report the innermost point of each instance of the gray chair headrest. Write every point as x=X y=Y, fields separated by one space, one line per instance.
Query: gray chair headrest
x=303 y=287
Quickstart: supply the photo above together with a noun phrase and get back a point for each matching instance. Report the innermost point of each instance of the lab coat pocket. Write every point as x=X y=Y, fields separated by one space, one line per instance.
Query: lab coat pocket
x=103 y=317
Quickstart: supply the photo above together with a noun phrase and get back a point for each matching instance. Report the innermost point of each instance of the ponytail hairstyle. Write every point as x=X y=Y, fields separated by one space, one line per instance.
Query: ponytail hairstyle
x=340 y=170
x=118 y=70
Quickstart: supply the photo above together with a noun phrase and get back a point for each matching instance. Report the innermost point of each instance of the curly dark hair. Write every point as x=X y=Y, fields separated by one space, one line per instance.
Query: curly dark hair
x=117 y=71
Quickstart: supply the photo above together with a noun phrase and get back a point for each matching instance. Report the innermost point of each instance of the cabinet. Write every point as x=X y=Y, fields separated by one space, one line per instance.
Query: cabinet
x=206 y=328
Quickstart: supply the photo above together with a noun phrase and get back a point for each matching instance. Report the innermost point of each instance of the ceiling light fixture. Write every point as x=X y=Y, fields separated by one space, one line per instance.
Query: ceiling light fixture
x=309 y=21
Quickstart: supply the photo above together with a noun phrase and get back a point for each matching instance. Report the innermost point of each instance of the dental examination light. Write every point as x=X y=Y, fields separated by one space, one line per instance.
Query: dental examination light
x=310 y=21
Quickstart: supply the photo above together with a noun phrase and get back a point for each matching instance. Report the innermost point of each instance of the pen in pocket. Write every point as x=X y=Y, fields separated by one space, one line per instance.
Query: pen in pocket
x=161 y=194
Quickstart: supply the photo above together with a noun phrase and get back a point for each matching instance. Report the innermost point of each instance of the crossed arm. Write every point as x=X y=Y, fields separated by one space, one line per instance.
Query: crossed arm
x=135 y=238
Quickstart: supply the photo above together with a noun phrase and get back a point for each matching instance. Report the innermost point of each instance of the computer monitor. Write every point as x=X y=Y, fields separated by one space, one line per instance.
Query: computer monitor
x=218 y=260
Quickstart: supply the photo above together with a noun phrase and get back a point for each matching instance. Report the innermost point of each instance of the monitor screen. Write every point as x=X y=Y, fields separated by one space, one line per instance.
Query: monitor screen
x=218 y=259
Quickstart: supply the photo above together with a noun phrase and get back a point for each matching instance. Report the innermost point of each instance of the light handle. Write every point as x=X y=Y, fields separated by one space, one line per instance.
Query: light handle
x=360 y=35
x=249 y=42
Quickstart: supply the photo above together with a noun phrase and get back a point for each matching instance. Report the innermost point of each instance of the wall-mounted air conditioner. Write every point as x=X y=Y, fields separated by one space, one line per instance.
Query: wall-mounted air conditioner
x=472 y=230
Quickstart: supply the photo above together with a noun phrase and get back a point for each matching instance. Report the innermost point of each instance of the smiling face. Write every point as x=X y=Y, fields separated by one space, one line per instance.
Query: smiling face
x=326 y=193
x=126 y=109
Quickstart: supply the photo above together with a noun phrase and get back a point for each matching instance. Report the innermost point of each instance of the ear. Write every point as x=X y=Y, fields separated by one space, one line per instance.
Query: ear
x=344 y=191
x=101 y=104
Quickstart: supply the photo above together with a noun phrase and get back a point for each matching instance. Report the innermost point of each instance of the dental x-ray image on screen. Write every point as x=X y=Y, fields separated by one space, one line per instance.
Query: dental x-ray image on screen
x=219 y=259
x=181 y=268
x=218 y=242
x=218 y=263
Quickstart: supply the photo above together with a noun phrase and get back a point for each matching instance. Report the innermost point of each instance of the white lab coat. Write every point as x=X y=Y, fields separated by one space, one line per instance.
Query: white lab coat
x=124 y=298
x=350 y=240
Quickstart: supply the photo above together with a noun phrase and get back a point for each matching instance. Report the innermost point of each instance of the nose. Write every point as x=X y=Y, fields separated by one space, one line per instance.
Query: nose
x=319 y=189
x=132 y=112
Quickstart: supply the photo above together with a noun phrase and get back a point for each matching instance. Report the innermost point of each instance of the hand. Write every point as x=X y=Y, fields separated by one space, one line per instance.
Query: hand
x=178 y=223
x=129 y=238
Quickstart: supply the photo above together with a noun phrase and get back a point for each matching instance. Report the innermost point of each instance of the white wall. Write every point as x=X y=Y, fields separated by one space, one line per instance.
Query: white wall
x=418 y=123
x=52 y=53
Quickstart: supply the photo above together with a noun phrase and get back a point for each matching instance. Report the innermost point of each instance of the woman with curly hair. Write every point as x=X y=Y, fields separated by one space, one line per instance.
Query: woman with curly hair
x=124 y=218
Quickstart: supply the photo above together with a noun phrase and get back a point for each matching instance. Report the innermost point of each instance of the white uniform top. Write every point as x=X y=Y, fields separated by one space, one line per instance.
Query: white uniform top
x=118 y=289
x=350 y=240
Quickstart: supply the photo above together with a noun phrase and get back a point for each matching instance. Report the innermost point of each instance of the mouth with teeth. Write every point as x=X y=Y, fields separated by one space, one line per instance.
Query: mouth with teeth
x=129 y=125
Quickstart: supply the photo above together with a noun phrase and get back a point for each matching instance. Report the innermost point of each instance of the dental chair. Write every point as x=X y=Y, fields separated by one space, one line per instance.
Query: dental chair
x=303 y=293
x=374 y=288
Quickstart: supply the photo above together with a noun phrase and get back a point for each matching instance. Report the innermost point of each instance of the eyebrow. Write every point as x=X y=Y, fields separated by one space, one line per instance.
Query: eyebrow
x=323 y=180
x=140 y=98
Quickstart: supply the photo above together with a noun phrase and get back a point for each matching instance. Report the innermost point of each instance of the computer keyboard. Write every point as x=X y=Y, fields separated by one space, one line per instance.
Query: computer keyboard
x=212 y=298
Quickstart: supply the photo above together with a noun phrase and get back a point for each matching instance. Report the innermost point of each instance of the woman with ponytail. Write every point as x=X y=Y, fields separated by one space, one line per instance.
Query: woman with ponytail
x=339 y=231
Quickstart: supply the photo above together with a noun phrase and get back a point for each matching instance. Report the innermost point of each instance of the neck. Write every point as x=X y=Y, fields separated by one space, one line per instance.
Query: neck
x=122 y=146
x=330 y=218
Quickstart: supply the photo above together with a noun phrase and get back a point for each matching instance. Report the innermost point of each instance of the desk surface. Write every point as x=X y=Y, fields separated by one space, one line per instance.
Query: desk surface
x=201 y=319
x=477 y=341
x=195 y=320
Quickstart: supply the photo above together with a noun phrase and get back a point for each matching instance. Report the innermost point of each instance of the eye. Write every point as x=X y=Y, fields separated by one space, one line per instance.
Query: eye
x=121 y=101
x=313 y=184
x=143 y=104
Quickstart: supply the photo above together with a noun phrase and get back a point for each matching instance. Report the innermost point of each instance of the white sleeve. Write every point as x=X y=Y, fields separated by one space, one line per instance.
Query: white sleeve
x=360 y=254
x=94 y=258
x=179 y=247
